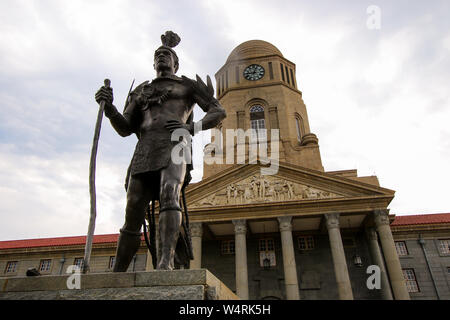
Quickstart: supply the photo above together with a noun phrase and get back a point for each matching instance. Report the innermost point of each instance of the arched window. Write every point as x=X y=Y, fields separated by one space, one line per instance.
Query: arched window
x=299 y=127
x=257 y=121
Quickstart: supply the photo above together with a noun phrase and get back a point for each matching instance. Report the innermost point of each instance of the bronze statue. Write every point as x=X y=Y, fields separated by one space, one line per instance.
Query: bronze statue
x=153 y=111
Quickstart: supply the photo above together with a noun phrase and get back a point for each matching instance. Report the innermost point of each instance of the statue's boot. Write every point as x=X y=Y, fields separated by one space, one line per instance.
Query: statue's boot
x=169 y=229
x=127 y=247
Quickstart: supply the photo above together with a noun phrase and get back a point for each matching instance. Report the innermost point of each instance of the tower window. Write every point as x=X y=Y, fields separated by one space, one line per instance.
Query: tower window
x=223 y=83
x=218 y=86
x=292 y=77
x=257 y=121
x=287 y=75
x=282 y=71
x=226 y=79
x=237 y=74
x=299 y=127
x=270 y=71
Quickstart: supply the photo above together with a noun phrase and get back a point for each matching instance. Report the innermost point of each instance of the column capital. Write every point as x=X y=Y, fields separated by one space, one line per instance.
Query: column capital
x=381 y=217
x=240 y=226
x=332 y=220
x=285 y=223
x=371 y=234
x=196 y=229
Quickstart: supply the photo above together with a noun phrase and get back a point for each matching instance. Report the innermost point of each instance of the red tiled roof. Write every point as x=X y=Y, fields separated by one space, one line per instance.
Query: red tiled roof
x=112 y=238
x=421 y=219
x=57 y=242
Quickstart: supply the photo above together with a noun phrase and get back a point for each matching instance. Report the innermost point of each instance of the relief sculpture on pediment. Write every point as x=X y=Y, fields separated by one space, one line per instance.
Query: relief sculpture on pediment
x=257 y=189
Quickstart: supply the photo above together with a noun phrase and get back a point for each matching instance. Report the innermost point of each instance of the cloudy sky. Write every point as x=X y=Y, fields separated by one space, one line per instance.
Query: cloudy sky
x=377 y=99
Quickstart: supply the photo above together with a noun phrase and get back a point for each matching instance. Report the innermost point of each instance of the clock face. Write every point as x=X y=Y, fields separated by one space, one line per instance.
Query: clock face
x=254 y=72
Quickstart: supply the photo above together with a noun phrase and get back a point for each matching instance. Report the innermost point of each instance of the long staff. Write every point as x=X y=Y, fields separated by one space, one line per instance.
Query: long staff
x=93 y=214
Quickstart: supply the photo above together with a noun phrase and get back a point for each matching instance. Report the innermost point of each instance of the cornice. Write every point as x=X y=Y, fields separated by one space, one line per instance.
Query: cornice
x=260 y=85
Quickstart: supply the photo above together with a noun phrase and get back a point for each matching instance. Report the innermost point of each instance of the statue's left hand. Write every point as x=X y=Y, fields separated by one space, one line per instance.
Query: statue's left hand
x=175 y=124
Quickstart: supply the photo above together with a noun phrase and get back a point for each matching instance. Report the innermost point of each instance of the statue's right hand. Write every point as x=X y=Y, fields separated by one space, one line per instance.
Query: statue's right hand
x=105 y=94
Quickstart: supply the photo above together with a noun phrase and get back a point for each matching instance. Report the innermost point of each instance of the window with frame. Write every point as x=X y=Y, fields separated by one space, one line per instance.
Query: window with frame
x=45 y=265
x=267 y=257
x=410 y=279
x=305 y=243
x=112 y=260
x=444 y=246
x=11 y=267
x=257 y=122
x=79 y=262
x=227 y=247
x=266 y=245
x=401 y=248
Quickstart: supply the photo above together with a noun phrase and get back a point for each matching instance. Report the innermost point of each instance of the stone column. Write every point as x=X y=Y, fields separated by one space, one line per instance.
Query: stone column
x=390 y=255
x=338 y=254
x=196 y=235
x=290 y=267
x=240 y=245
x=377 y=258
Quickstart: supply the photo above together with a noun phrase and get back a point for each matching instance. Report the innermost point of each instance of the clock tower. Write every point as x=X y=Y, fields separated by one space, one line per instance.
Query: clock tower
x=258 y=88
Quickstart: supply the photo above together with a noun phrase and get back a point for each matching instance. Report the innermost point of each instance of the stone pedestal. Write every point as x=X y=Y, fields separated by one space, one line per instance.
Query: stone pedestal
x=153 y=285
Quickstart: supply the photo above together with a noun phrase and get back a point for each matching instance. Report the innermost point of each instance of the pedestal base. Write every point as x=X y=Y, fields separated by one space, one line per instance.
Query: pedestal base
x=153 y=285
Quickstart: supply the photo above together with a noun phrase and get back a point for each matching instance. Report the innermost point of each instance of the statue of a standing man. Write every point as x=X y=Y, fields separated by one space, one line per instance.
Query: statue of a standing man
x=153 y=111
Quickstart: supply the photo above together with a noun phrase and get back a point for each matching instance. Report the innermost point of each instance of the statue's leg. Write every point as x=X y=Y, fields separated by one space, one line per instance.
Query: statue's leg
x=138 y=198
x=172 y=178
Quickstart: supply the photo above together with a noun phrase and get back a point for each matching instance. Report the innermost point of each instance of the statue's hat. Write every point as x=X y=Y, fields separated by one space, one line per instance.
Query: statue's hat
x=170 y=40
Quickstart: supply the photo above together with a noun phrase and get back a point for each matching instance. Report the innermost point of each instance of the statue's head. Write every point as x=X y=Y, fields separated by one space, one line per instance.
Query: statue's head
x=165 y=57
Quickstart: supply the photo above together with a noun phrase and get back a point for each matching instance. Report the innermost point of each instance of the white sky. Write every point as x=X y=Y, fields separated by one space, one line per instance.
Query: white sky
x=378 y=100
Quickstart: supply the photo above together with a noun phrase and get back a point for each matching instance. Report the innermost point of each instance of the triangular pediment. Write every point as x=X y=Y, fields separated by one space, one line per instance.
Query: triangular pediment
x=245 y=185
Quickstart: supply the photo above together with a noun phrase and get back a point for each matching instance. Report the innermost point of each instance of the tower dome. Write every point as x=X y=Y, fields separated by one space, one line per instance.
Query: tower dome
x=253 y=49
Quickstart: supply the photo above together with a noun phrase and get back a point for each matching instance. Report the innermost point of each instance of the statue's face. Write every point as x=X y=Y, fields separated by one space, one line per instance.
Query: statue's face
x=164 y=60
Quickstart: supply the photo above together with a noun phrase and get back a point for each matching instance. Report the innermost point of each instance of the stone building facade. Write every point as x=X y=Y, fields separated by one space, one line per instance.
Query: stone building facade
x=296 y=232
